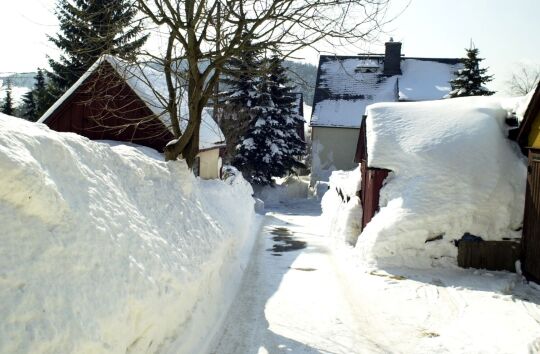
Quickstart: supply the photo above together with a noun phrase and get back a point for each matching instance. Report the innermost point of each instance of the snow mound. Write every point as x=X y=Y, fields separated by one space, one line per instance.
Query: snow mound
x=518 y=105
x=285 y=189
x=111 y=249
x=341 y=207
x=453 y=171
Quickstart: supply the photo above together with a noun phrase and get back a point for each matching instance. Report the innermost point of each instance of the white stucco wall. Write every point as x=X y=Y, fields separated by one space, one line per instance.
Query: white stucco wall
x=209 y=164
x=333 y=149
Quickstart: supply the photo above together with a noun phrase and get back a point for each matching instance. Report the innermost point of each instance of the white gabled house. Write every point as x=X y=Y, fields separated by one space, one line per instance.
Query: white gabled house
x=346 y=85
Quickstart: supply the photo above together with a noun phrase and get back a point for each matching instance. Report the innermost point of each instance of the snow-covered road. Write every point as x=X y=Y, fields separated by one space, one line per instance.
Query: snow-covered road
x=304 y=294
x=292 y=299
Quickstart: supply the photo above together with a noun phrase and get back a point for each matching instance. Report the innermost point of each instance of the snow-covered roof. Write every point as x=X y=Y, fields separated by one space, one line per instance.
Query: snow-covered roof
x=347 y=85
x=453 y=171
x=299 y=103
x=150 y=86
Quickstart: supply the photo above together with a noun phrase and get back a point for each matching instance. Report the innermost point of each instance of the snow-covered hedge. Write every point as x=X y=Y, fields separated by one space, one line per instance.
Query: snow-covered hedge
x=110 y=249
x=453 y=171
x=341 y=207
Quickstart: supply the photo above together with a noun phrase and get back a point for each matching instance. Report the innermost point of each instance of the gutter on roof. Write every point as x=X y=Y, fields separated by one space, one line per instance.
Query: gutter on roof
x=334 y=126
x=217 y=146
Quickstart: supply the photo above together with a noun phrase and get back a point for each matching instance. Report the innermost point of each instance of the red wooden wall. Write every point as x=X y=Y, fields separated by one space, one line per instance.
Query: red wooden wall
x=372 y=178
x=104 y=107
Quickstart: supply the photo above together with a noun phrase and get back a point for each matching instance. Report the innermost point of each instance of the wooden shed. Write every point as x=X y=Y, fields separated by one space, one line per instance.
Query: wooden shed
x=125 y=102
x=529 y=139
x=372 y=178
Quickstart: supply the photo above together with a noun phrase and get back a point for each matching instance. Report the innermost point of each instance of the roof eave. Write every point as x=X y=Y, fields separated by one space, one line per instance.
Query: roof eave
x=530 y=114
x=58 y=104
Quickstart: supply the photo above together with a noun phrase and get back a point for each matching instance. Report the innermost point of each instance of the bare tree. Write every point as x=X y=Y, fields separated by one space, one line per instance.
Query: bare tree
x=204 y=34
x=524 y=79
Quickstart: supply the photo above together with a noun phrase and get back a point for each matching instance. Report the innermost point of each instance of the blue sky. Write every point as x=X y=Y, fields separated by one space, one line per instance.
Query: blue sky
x=504 y=31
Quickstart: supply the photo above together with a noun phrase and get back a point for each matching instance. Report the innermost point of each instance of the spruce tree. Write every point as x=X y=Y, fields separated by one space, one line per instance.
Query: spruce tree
x=42 y=95
x=28 y=110
x=271 y=146
x=36 y=101
x=259 y=153
x=88 y=29
x=241 y=79
x=469 y=81
x=7 y=104
x=284 y=99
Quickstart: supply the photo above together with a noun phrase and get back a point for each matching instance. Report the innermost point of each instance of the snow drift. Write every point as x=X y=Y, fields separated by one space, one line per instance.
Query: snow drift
x=111 y=249
x=341 y=207
x=453 y=171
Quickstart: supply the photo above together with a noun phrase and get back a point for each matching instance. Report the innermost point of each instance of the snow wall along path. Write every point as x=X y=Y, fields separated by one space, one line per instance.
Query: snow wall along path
x=453 y=171
x=110 y=249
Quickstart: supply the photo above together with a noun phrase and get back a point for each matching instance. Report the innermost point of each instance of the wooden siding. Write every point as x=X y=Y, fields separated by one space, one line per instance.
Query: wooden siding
x=372 y=182
x=104 y=107
x=530 y=251
x=372 y=178
x=490 y=255
x=531 y=116
x=534 y=134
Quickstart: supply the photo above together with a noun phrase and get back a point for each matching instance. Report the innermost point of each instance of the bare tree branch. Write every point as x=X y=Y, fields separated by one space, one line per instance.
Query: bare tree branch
x=202 y=35
x=524 y=79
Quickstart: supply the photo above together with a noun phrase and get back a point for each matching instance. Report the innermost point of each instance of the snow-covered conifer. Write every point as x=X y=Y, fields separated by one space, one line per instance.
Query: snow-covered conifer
x=271 y=146
x=469 y=81
x=259 y=154
x=28 y=110
x=7 y=104
x=88 y=29
x=36 y=101
x=42 y=94
x=285 y=99
x=241 y=78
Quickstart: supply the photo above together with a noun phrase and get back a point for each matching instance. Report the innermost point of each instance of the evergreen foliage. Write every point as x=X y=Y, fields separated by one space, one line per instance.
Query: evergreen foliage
x=242 y=80
x=37 y=100
x=285 y=99
x=28 y=110
x=42 y=95
x=7 y=104
x=88 y=29
x=271 y=146
x=469 y=81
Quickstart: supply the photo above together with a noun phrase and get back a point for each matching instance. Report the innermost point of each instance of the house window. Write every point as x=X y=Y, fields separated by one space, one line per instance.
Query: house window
x=366 y=69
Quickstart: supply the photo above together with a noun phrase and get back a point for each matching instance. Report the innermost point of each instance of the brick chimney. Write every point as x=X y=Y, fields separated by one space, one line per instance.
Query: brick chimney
x=392 y=58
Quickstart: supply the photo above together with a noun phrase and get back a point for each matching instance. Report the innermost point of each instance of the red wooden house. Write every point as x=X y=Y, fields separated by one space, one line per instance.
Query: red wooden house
x=125 y=102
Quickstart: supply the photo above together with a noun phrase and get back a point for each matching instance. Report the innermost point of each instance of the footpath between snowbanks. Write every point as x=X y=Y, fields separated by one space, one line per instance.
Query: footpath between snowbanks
x=110 y=249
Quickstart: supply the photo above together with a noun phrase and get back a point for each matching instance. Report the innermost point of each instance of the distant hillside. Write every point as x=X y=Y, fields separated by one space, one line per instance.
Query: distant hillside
x=304 y=76
x=21 y=83
x=301 y=74
x=19 y=79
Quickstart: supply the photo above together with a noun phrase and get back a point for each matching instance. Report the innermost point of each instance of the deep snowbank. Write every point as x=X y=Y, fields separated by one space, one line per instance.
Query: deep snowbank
x=341 y=207
x=454 y=171
x=110 y=249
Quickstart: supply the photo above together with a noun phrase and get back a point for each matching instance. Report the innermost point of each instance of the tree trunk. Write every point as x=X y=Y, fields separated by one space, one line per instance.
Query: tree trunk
x=188 y=143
